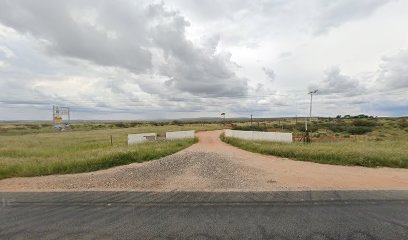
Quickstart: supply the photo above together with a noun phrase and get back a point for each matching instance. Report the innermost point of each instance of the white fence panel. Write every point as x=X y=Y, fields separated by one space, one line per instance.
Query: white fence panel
x=262 y=136
x=141 y=137
x=179 y=135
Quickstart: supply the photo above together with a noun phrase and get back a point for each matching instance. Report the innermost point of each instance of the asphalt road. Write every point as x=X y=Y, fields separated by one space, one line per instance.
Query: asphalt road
x=200 y=215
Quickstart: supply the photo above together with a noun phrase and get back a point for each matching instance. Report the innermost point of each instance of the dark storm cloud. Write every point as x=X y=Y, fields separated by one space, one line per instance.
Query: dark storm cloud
x=125 y=34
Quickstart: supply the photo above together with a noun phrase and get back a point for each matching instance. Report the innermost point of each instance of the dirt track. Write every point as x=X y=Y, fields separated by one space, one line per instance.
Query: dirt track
x=212 y=165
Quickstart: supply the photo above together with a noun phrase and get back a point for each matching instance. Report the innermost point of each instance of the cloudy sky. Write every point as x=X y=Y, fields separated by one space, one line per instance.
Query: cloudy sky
x=134 y=59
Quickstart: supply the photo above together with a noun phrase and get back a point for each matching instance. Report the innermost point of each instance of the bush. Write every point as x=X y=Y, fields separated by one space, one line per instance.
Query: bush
x=119 y=125
x=250 y=128
x=32 y=126
x=176 y=122
x=134 y=124
x=364 y=123
x=359 y=130
x=403 y=123
x=338 y=127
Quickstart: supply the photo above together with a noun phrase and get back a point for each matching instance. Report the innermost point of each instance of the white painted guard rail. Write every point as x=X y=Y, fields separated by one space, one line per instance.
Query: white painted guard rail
x=261 y=136
x=141 y=137
x=179 y=135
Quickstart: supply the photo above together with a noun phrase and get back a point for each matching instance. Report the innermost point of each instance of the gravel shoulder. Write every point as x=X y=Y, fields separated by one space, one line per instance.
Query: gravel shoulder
x=211 y=165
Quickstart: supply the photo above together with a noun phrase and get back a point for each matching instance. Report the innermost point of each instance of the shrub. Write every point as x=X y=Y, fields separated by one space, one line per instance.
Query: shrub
x=134 y=124
x=250 y=128
x=119 y=125
x=359 y=130
x=33 y=126
x=338 y=127
x=176 y=122
x=364 y=123
x=403 y=123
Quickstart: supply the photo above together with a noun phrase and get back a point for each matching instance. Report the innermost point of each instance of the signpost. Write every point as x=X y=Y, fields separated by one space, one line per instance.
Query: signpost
x=61 y=117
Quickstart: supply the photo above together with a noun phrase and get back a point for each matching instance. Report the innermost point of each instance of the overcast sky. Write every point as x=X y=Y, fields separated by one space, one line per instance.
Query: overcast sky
x=132 y=59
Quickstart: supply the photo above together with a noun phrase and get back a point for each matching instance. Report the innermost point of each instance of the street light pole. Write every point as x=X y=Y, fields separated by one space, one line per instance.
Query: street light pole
x=223 y=114
x=311 y=102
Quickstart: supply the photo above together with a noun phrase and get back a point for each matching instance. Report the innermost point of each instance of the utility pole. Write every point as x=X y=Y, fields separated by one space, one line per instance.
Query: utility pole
x=251 y=120
x=311 y=101
x=223 y=114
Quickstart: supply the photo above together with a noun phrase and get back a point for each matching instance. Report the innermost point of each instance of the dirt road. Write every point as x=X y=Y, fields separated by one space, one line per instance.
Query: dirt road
x=212 y=165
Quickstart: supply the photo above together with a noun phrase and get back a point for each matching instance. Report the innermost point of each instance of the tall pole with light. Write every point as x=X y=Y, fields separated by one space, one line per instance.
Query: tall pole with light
x=310 y=109
x=311 y=101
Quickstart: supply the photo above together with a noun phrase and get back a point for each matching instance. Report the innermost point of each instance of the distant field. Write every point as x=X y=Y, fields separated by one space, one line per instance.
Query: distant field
x=35 y=152
x=22 y=128
x=375 y=143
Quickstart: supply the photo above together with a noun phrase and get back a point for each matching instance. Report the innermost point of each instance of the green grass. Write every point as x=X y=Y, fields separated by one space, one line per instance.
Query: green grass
x=35 y=154
x=354 y=153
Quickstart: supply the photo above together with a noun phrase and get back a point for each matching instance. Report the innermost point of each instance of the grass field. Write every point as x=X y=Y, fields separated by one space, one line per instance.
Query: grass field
x=383 y=147
x=43 y=152
x=358 y=140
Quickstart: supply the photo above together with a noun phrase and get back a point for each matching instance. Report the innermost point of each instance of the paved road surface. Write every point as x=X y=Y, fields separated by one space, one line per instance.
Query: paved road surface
x=305 y=215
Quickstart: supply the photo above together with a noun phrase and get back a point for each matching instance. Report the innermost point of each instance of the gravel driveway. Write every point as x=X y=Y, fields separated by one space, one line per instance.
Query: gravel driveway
x=212 y=165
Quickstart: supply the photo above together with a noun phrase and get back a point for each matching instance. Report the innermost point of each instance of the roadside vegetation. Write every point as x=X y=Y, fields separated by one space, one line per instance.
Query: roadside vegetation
x=74 y=151
x=30 y=127
x=359 y=141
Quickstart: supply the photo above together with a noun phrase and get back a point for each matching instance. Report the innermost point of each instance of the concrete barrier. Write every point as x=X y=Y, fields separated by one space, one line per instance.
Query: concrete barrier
x=141 y=137
x=179 y=135
x=261 y=136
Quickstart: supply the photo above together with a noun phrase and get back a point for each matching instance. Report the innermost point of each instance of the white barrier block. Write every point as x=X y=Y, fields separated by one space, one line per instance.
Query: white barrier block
x=260 y=136
x=179 y=135
x=141 y=137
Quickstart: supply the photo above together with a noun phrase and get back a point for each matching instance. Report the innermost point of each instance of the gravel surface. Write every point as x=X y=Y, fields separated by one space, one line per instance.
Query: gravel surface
x=212 y=165
x=185 y=171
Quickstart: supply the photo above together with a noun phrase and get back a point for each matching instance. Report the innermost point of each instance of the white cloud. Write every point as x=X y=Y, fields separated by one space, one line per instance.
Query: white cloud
x=335 y=82
x=125 y=35
x=393 y=73
x=179 y=58
x=334 y=13
x=269 y=73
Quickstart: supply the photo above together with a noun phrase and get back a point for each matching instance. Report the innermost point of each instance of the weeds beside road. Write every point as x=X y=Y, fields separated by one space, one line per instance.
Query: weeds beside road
x=81 y=151
x=91 y=158
x=357 y=153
